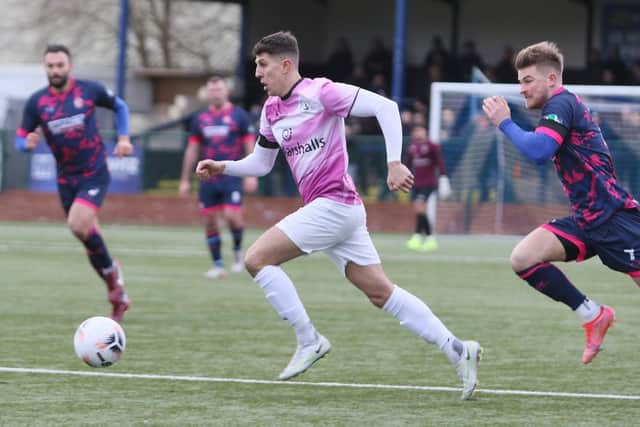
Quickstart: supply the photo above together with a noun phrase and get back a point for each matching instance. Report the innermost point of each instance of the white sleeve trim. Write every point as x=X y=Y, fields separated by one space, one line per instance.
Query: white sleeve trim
x=368 y=104
x=258 y=163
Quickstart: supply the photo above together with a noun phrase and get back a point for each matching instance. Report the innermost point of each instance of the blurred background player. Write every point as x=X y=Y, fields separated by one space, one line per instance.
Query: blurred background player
x=223 y=131
x=65 y=112
x=605 y=219
x=305 y=119
x=425 y=160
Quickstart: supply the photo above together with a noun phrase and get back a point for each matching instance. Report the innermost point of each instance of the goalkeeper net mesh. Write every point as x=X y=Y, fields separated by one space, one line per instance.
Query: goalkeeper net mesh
x=496 y=190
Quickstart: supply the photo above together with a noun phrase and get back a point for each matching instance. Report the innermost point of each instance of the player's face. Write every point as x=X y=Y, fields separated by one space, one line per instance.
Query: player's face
x=419 y=133
x=58 y=67
x=270 y=70
x=535 y=85
x=218 y=93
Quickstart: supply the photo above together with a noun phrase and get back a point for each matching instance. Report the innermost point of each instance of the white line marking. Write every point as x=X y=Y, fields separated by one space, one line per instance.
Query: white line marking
x=312 y=384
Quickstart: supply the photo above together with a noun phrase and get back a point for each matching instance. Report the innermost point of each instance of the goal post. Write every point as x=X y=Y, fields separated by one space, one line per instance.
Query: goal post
x=496 y=190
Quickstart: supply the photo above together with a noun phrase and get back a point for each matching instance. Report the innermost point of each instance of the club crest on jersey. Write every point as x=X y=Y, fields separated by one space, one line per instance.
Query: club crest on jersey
x=78 y=102
x=287 y=133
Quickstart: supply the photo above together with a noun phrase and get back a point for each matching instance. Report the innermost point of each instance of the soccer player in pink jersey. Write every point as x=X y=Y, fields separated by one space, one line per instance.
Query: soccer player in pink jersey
x=305 y=119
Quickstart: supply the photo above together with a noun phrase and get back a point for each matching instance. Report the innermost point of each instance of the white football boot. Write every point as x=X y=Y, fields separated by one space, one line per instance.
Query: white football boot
x=304 y=357
x=467 y=368
x=216 y=272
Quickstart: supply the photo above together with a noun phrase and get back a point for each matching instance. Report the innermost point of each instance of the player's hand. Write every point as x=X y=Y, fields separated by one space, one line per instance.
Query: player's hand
x=250 y=184
x=399 y=177
x=497 y=109
x=32 y=139
x=185 y=188
x=123 y=147
x=444 y=187
x=207 y=168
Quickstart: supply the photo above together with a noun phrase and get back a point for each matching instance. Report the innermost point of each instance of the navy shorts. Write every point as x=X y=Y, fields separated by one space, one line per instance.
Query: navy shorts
x=421 y=193
x=88 y=190
x=616 y=242
x=225 y=192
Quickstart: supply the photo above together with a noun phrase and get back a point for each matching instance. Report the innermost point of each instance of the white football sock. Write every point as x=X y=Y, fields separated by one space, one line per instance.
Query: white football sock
x=282 y=295
x=416 y=316
x=588 y=310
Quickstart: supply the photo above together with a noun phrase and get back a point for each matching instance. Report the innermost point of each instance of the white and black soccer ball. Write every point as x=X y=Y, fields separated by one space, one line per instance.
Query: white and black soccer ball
x=99 y=341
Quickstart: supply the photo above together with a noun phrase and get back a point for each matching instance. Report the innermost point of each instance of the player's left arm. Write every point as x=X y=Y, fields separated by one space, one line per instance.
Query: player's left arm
x=368 y=104
x=106 y=98
x=538 y=146
x=123 y=147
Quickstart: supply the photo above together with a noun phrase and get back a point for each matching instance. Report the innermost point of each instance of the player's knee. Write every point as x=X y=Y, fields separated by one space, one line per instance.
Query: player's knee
x=253 y=262
x=520 y=260
x=78 y=229
x=378 y=296
x=377 y=300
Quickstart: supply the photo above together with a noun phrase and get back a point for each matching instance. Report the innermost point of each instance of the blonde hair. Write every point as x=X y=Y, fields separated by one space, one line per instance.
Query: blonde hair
x=544 y=53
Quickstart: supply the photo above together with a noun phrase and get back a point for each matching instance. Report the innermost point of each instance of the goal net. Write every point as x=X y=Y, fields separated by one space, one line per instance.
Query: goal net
x=496 y=190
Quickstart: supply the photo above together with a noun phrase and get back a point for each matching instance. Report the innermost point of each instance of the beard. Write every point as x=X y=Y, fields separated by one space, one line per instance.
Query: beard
x=58 y=82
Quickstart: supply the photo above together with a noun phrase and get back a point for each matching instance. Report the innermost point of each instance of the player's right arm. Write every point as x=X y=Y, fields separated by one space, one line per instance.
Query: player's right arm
x=190 y=158
x=538 y=146
x=191 y=155
x=28 y=135
x=258 y=163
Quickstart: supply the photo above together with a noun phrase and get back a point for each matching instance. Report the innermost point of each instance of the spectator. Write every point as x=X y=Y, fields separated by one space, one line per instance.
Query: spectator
x=468 y=59
x=340 y=63
x=634 y=74
x=406 y=117
x=504 y=71
x=378 y=60
x=437 y=54
x=617 y=66
x=379 y=85
x=358 y=77
x=594 y=69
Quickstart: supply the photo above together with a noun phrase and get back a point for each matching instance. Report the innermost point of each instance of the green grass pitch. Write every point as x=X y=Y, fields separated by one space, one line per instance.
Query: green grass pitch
x=183 y=325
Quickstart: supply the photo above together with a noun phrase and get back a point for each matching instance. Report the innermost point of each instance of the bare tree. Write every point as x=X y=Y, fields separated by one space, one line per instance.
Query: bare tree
x=162 y=33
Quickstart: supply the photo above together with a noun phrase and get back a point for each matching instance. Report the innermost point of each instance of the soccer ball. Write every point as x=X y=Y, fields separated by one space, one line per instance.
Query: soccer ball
x=99 y=341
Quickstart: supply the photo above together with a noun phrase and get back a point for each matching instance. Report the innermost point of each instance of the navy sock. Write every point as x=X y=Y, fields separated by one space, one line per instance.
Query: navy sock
x=549 y=280
x=214 y=243
x=97 y=252
x=427 y=226
x=237 y=238
x=422 y=224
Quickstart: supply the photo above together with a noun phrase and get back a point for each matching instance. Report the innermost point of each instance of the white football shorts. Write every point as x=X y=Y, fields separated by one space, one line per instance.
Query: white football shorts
x=337 y=229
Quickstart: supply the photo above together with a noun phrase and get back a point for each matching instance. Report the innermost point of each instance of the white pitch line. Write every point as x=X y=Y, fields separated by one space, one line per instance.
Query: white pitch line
x=313 y=384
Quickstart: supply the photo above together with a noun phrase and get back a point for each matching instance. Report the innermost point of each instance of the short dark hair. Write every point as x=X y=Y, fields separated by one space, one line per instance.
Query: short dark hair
x=54 y=48
x=280 y=43
x=543 y=53
x=215 y=79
